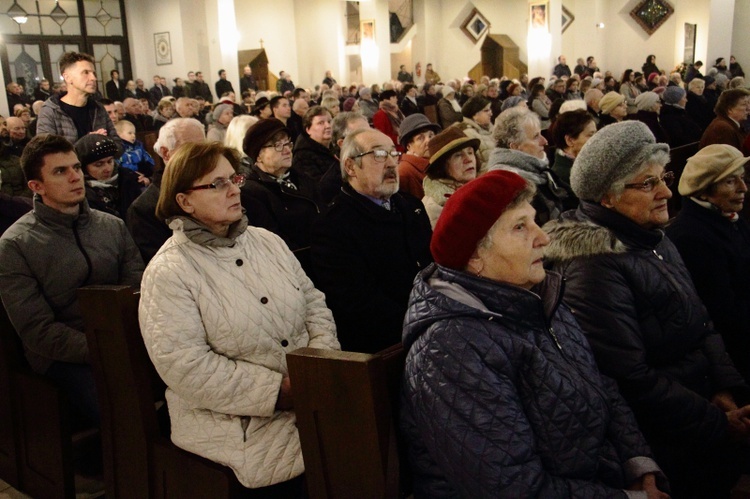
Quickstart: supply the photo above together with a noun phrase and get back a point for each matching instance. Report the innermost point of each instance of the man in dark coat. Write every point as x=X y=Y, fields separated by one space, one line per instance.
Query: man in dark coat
x=158 y=91
x=115 y=86
x=223 y=85
x=149 y=233
x=367 y=249
x=200 y=87
x=247 y=82
x=561 y=69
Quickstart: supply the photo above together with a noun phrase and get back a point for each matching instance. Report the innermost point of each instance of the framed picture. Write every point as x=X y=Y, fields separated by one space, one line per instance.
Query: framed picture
x=651 y=14
x=163 y=48
x=367 y=30
x=538 y=15
x=475 y=25
x=567 y=19
x=689 y=54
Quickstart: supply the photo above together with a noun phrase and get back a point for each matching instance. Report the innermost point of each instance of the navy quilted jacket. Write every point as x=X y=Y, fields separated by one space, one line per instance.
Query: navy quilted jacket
x=502 y=398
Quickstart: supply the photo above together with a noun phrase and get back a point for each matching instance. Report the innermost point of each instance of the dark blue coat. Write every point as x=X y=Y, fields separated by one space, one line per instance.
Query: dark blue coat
x=502 y=397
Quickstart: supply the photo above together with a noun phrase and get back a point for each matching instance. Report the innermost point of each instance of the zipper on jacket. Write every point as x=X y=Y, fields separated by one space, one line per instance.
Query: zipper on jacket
x=83 y=251
x=554 y=337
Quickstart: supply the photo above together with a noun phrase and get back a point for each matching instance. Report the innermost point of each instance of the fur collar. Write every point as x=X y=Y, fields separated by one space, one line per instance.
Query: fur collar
x=570 y=239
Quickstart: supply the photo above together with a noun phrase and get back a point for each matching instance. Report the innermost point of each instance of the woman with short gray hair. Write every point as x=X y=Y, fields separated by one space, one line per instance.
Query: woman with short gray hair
x=520 y=149
x=648 y=328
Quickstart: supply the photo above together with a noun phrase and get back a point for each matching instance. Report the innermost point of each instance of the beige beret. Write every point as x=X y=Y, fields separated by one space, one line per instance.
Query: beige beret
x=610 y=101
x=712 y=164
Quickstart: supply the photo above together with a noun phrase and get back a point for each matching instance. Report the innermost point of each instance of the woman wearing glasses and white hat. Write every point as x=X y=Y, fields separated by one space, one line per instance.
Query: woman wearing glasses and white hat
x=648 y=328
x=222 y=303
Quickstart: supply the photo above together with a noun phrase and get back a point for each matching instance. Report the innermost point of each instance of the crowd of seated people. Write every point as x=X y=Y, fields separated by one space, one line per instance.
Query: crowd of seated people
x=443 y=215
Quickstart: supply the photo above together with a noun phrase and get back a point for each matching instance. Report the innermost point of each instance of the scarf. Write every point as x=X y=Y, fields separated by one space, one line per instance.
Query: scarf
x=732 y=216
x=201 y=235
x=455 y=104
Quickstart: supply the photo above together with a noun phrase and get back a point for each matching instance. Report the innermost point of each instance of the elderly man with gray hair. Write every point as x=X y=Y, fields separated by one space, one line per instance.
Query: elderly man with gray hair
x=520 y=149
x=149 y=233
x=369 y=246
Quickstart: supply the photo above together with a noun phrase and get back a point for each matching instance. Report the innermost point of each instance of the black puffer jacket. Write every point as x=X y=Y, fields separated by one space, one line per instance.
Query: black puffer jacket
x=633 y=296
x=312 y=158
x=502 y=397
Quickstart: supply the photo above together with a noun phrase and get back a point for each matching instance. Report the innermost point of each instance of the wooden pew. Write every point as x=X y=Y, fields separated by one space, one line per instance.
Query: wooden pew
x=149 y=139
x=36 y=450
x=346 y=405
x=139 y=459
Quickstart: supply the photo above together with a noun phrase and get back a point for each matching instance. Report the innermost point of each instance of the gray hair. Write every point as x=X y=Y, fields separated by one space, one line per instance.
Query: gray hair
x=341 y=122
x=168 y=133
x=351 y=148
x=509 y=126
x=660 y=158
x=696 y=83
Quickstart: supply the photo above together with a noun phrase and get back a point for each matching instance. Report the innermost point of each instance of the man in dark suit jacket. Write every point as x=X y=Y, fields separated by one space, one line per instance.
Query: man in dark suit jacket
x=200 y=87
x=409 y=104
x=223 y=85
x=158 y=91
x=247 y=82
x=115 y=86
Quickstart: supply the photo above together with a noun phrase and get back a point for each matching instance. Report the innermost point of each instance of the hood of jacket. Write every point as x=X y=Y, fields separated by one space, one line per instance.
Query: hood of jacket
x=440 y=293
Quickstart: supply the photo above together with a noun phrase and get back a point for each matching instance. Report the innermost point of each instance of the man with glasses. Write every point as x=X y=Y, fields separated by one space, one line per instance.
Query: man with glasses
x=367 y=249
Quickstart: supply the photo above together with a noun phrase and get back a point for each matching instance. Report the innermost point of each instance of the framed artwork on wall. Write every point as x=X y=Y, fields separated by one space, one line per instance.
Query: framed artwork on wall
x=163 y=48
x=567 y=19
x=538 y=15
x=651 y=14
x=367 y=30
x=475 y=25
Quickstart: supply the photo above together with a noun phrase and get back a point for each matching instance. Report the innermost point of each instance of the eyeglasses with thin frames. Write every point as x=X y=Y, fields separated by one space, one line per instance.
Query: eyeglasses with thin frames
x=221 y=184
x=651 y=182
x=279 y=146
x=380 y=155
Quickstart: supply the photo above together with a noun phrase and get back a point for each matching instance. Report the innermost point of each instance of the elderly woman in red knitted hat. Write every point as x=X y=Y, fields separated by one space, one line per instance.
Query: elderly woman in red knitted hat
x=501 y=394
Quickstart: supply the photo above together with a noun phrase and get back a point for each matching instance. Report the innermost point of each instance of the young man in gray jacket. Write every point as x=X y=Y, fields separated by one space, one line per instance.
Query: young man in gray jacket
x=48 y=254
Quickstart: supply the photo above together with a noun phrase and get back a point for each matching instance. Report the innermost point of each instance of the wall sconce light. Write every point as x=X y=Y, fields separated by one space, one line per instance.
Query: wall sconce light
x=600 y=25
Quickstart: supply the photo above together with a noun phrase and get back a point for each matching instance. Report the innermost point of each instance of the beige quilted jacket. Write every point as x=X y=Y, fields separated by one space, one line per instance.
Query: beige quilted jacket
x=217 y=323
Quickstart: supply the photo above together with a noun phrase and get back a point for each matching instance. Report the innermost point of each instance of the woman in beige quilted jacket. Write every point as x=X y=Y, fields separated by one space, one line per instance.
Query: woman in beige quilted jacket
x=222 y=303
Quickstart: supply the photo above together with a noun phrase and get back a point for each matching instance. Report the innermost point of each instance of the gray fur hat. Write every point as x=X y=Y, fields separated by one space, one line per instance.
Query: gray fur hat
x=614 y=153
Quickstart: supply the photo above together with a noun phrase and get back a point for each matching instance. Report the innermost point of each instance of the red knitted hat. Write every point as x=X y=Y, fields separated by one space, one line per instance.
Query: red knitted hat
x=468 y=215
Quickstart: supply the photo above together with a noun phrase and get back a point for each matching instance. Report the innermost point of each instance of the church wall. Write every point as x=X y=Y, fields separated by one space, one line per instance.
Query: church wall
x=275 y=23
